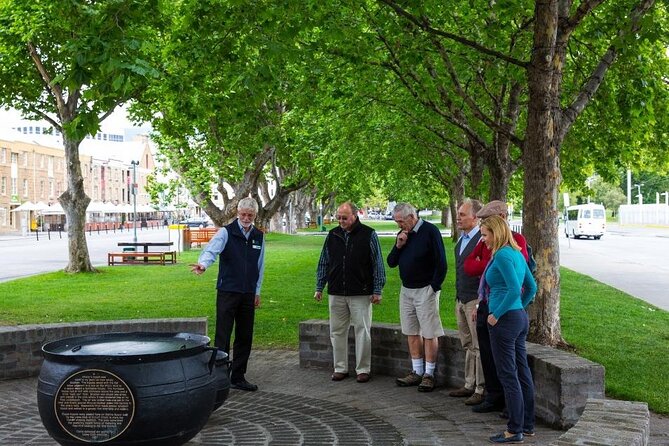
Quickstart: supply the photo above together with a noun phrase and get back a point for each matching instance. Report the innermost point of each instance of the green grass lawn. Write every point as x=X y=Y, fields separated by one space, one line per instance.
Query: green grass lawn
x=628 y=336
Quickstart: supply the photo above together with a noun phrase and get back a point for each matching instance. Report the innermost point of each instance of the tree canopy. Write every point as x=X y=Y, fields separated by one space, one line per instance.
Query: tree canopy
x=317 y=102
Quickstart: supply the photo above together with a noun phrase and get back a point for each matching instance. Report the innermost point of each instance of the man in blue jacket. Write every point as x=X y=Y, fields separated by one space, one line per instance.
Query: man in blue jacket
x=419 y=253
x=240 y=247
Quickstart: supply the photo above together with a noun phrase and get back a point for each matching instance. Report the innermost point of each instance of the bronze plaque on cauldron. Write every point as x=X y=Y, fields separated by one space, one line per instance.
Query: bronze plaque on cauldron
x=94 y=406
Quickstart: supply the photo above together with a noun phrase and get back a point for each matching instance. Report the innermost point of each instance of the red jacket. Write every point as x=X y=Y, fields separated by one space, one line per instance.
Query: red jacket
x=476 y=262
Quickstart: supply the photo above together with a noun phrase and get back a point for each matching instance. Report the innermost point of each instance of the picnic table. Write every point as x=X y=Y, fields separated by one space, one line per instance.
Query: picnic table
x=130 y=257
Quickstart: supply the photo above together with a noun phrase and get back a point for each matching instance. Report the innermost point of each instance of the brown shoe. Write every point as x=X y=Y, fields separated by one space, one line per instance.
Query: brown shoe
x=474 y=400
x=338 y=376
x=426 y=384
x=461 y=392
x=362 y=377
x=412 y=379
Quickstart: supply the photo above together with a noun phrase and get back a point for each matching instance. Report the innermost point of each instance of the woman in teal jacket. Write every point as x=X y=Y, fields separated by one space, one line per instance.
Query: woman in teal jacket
x=511 y=289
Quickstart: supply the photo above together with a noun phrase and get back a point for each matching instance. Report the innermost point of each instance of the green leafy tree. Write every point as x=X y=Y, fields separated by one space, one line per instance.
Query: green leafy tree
x=72 y=63
x=560 y=53
x=610 y=195
x=223 y=109
x=653 y=184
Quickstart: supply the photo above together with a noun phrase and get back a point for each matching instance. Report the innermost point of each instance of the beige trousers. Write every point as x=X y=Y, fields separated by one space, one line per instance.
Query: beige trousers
x=467 y=331
x=344 y=312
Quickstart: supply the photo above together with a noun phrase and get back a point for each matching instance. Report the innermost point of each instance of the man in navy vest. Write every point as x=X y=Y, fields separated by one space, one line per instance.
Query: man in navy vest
x=352 y=267
x=240 y=247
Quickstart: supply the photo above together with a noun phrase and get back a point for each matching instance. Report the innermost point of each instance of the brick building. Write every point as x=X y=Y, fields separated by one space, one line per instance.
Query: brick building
x=32 y=168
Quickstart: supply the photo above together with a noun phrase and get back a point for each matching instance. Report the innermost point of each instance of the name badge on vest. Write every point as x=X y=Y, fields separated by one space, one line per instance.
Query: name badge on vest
x=256 y=245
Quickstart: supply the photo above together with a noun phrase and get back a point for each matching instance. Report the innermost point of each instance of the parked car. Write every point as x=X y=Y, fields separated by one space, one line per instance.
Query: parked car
x=195 y=223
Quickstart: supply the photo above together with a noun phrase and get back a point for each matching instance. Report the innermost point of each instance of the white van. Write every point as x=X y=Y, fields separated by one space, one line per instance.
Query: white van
x=585 y=220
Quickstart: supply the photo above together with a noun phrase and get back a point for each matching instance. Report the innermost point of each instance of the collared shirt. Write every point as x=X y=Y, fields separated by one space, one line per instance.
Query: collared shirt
x=378 y=269
x=417 y=226
x=466 y=237
x=216 y=246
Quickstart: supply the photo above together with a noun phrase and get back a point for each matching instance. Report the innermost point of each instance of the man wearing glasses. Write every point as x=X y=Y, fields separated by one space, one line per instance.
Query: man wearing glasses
x=240 y=248
x=352 y=266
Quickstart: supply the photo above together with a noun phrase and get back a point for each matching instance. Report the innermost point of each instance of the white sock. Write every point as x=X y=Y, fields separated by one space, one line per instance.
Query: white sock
x=429 y=368
x=417 y=366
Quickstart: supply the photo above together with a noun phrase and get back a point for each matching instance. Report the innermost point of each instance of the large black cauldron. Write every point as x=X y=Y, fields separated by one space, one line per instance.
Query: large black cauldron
x=146 y=389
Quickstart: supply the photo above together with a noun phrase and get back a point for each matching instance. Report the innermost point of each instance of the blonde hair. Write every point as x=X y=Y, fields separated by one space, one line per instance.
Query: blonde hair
x=501 y=233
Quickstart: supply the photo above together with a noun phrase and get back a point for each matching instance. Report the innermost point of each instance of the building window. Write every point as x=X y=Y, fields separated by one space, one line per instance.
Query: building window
x=52 y=191
x=3 y=186
x=15 y=186
x=42 y=189
x=25 y=188
x=3 y=155
x=15 y=158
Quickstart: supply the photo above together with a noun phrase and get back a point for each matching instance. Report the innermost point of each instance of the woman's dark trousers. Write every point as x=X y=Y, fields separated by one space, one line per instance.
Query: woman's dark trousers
x=507 y=339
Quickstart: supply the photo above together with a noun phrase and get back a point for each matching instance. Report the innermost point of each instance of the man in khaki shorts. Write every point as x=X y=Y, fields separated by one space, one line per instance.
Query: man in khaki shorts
x=419 y=253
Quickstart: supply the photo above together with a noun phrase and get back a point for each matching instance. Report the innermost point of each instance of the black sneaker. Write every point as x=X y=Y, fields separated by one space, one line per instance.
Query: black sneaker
x=244 y=385
x=486 y=407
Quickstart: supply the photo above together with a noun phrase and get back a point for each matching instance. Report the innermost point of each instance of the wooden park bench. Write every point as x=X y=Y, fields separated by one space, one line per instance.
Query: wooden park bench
x=202 y=235
x=141 y=258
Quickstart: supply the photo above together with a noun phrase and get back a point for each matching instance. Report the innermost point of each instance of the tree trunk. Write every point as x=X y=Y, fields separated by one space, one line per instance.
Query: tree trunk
x=499 y=182
x=542 y=177
x=75 y=201
x=275 y=223
x=457 y=197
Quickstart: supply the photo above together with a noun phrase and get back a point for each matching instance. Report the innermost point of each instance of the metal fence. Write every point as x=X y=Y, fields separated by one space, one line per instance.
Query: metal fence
x=643 y=214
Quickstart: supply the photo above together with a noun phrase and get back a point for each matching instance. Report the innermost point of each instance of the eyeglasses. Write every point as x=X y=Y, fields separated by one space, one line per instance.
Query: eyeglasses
x=342 y=217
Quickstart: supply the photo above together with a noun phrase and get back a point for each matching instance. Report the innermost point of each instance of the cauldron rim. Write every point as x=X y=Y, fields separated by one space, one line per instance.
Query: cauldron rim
x=186 y=344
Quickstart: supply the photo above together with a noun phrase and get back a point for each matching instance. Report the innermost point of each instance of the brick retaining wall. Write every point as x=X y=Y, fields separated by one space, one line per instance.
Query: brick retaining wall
x=563 y=381
x=21 y=345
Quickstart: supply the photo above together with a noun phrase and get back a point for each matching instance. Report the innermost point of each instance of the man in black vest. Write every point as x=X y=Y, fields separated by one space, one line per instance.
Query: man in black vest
x=352 y=266
x=466 y=298
x=240 y=247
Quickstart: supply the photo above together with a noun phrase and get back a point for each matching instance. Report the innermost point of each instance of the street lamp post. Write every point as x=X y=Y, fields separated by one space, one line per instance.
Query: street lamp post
x=134 y=199
x=639 y=196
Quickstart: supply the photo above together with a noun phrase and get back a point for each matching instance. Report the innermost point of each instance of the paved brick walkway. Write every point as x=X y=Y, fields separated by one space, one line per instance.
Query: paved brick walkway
x=297 y=406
